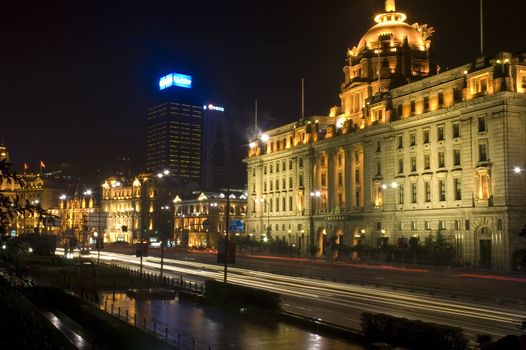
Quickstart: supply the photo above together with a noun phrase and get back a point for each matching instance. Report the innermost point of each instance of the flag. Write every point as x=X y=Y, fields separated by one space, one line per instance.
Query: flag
x=26 y=166
x=42 y=165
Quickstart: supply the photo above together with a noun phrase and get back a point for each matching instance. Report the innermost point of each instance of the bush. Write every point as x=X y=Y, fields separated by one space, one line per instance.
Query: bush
x=413 y=334
x=244 y=295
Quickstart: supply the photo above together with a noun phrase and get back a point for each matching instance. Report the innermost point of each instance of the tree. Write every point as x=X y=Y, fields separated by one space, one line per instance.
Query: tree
x=10 y=206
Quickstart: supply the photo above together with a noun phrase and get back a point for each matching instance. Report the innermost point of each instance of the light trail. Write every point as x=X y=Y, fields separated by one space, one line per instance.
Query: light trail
x=340 y=299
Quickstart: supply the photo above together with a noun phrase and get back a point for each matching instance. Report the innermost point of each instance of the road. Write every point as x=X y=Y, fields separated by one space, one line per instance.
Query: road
x=342 y=303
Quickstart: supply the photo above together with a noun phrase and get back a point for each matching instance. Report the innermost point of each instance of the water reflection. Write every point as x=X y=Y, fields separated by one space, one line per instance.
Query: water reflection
x=187 y=322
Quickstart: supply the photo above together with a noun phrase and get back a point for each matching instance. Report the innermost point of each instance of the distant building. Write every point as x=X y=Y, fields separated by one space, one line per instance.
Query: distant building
x=200 y=219
x=138 y=206
x=215 y=146
x=410 y=152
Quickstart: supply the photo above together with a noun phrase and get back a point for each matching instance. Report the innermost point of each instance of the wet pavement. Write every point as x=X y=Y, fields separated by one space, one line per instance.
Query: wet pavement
x=190 y=325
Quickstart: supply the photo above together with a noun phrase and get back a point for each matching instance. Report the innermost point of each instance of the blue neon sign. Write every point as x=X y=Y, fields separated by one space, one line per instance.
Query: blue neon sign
x=175 y=79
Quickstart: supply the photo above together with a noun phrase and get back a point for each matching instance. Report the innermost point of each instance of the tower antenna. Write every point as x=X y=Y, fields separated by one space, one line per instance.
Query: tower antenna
x=302 y=99
x=256 y=117
x=482 y=28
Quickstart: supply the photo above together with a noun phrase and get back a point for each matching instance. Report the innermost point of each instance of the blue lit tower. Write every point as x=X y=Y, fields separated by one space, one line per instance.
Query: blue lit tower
x=174 y=133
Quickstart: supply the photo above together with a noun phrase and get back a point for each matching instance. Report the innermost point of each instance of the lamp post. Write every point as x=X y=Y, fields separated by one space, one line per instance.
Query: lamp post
x=164 y=209
x=269 y=228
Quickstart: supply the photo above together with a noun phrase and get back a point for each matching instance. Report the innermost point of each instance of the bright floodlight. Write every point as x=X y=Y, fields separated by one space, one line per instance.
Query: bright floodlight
x=252 y=145
x=166 y=172
x=394 y=185
x=517 y=170
x=87 y=193
x=160 y=175
x=264 y=137
x=384 y=186
x=62 y=197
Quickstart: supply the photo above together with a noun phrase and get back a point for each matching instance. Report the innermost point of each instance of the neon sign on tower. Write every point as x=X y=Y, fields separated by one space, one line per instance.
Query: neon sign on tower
x=175 y=79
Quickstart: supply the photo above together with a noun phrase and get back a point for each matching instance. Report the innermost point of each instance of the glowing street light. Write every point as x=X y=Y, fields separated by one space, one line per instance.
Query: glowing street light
x=63 y=197
x=264 y=138
x=517 y=170
x=166 y=172
x=88 y=193
x=252 y=144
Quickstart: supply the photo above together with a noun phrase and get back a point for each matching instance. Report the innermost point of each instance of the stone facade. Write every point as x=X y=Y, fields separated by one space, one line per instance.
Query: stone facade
x=411 y=151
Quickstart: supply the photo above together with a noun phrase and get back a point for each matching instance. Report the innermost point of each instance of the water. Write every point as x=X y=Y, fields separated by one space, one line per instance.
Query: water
x=190 y=325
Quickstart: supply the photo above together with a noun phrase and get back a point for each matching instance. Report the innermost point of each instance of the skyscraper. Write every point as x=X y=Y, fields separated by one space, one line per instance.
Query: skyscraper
x=215 y=147
x=174 y=134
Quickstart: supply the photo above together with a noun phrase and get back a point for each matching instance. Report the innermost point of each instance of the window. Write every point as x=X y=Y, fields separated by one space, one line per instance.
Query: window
x=290 y=164
x=357 y=176
x=253 y=171
x=340 y=159
x=400 y=141
x=467 y=225
x=301 y=181
x=426 y=136
x=271 y=168
x=265 y=170
x=290 y=203
x=277 y=185
x=499 y=224
x=482 y=124
x=400 y=110
x=283 y=184
x=378 y=167
x=457 y=225
x=427 y=225
x=440 y=99
x=340 y=179
x=441 y=159
x=427 y=162
x=413 y=192
x=442 y=190
x=271 y=185
x=483 y=152
x=458 y=189
x=323 y=180
x=413 y=163
x=277 y=167
x=378 y=226
x=427 y=187
x=264 y=186
x=378 y=145
x=277 y=204
x=357 y=198
x=456 y=157
x=440 y=133
x=456 y=130
x=401 y=194
x=300 y=162
x=284 y=204
x=290 y=182
x=401 y=165
x=426 y=103
x=441 y=225
x=413 y=107
x=271 y=202
x=412 y=138
x=283 y=165
x=483 y=185
x=413 y=225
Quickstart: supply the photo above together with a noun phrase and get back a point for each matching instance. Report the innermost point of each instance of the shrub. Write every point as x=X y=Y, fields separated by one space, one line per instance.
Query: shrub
x=413 y=334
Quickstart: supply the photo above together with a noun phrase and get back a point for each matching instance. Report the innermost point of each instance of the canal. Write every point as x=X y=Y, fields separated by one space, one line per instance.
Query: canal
x=191 y=325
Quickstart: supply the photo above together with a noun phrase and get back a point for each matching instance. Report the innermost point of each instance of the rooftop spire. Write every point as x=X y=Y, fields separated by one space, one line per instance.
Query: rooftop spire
x=390 y=6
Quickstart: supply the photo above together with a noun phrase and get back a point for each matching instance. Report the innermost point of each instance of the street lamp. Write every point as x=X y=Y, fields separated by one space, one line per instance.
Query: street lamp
x=164 y=208
x=517 y=170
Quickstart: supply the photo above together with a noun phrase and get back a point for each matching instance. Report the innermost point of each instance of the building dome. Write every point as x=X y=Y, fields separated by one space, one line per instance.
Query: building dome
x=391 y=27
x=396 y=31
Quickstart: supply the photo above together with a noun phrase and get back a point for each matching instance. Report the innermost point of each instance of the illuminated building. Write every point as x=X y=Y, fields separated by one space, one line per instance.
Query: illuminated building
x=410 y=151
x=200 y=219
x=215 y=146
x=134 y=206
x=4 y=153
x=174 y=134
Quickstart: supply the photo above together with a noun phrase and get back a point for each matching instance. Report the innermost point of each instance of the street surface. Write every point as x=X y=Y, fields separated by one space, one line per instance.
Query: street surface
x=342 y=303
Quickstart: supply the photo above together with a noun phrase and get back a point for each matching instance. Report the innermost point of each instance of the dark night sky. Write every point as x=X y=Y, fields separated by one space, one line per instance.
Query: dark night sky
x=77 y=76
